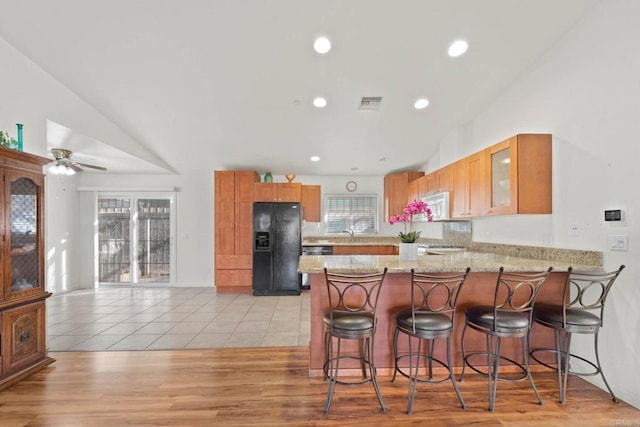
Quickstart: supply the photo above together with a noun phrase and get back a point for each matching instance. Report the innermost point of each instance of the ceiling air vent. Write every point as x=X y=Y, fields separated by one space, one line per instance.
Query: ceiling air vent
x=370 y=103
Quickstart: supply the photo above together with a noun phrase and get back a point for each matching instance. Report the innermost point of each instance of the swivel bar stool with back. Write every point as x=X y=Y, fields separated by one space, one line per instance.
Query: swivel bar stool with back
x=353 y=299
x=431 y=316
x=584 y=295
x=510 y=316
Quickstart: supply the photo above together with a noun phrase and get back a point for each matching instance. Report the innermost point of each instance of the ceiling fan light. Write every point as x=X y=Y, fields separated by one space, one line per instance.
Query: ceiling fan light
x=54 y=169
x=69 y=171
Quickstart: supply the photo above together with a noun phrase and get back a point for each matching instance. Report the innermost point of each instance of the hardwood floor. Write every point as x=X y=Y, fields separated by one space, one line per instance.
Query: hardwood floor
x=270 y=386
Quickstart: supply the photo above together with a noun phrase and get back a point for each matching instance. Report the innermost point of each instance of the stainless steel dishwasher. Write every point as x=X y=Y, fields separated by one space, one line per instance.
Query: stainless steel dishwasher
x=314 y=250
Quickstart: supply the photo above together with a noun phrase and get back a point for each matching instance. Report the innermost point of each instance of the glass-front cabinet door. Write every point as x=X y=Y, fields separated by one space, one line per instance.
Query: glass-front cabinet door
x=501 y=179
x=23 y=194
x=500 y=182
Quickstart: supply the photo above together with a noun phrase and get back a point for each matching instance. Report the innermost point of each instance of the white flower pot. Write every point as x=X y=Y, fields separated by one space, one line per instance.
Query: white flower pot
x=408 y=252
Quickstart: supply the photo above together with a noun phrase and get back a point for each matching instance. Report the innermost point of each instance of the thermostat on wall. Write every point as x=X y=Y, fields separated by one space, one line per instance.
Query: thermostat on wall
x=613 y=215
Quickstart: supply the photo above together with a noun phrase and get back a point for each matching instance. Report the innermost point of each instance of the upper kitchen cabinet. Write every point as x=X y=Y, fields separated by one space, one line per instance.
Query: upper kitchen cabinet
x=277 y=192
x=518 y=175
x=396 y=192
x=468 y=186
x=311 y=197
x=439 y=181
x=418 y=188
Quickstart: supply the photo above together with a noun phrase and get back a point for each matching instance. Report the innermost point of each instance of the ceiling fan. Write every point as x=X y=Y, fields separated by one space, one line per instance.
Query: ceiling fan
x=64 y=165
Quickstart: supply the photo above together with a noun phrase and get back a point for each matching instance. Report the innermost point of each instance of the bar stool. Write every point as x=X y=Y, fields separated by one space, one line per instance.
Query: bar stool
x=353 y=299
x=431 y=316
x=584 y=296
x=510 y=316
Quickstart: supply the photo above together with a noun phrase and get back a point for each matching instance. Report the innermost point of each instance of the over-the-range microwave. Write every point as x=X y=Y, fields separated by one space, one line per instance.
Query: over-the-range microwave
x=439 y=205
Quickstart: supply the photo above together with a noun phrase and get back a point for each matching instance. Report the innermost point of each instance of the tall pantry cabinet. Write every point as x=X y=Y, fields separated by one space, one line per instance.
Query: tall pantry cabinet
x=22 y=293
x=233 y=226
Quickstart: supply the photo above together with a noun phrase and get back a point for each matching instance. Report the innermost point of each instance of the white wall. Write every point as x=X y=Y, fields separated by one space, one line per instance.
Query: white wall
x=585 y=92
x=62 y=236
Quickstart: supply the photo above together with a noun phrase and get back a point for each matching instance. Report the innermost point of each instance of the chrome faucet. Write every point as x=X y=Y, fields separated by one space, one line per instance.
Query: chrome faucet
x=350 y=232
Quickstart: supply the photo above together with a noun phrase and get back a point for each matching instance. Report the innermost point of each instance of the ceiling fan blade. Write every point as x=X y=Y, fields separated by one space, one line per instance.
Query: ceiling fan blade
x=100 y=168
x=73 y=166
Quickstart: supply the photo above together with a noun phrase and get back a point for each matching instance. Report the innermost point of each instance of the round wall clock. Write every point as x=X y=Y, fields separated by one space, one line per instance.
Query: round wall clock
x=352 y=186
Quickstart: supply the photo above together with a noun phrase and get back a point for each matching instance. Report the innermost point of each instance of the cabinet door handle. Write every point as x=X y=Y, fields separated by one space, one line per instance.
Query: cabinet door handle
x=24 y=336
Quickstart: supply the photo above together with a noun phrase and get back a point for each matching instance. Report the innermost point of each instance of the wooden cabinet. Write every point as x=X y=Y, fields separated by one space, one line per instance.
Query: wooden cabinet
x=468 y=186
x=396 y=192
x=518 y=175
x=22 y=292
x=24 y=344
x=277 y=192
x=511 y=177
x=233 y=226
x=311 y=202
x=438 y=181
x=365 y=250
x=418 y=188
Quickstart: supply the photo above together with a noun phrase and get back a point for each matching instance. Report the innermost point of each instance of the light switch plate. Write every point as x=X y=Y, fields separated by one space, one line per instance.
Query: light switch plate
x=618 y=242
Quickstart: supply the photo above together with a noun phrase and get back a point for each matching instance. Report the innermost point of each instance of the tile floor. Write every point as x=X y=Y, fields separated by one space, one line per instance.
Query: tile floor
x=130 y=318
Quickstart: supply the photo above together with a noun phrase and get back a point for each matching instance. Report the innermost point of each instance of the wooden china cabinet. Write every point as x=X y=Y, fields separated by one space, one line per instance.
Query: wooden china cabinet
x=22 y=293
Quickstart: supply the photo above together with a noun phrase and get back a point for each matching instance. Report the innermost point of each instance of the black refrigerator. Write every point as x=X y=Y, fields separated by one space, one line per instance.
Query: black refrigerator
x=277 y=247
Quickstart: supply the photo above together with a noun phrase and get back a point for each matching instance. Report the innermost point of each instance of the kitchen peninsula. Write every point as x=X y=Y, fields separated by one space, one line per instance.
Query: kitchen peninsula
x=395 y=295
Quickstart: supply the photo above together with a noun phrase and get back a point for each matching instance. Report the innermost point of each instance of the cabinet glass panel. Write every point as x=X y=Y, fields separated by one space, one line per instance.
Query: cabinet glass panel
x=500 y=178
x=25 y=271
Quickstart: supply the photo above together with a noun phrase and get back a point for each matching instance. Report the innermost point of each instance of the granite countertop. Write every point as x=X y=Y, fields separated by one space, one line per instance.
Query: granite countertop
x=448 y=262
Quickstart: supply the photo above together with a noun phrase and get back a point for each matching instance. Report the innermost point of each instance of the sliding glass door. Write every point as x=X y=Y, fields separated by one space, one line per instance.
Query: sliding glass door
x=135 y=239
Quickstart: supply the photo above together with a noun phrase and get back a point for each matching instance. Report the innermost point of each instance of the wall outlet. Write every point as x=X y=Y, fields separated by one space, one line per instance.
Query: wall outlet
x=618 y=242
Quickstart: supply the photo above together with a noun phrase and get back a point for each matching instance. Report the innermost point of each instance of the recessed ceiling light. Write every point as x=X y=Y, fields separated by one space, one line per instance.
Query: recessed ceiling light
x=320 y=102
x=421 y=103
x=354 y=169
x=322 y=45
x=315 y=158
x=383 y=159
x=457 y=48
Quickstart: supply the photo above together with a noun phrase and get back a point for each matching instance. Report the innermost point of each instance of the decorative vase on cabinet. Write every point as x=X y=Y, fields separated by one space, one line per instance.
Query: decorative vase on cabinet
x=408 y=252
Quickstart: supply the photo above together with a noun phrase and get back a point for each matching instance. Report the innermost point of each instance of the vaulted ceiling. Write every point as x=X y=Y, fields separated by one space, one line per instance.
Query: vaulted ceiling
x=210 y=84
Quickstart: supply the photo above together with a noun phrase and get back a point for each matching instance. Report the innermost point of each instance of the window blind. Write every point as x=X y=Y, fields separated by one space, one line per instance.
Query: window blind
x=357 y=213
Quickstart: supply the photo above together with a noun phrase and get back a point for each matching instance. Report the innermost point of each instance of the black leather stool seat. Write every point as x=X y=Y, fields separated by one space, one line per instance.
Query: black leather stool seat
x=423 y=321
x=483 y=315
x=350 y=322
x=575 y=317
